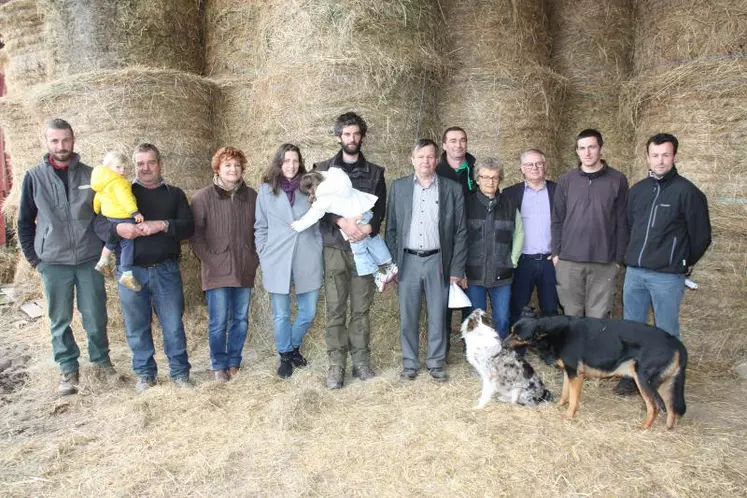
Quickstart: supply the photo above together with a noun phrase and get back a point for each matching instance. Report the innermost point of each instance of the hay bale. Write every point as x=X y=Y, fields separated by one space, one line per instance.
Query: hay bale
x=116 y=109
x=375 y=58
x=22 y=28
x=592 y=45
x=87 y=36
x=670 y=32
x=499 y=87
x=234 y=37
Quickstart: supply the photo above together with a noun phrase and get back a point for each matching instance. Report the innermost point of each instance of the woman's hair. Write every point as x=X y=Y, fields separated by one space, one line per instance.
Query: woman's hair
x=274 y=173
x=115 y=159
x=489 y=163
x=226 y=154
x=309 y=182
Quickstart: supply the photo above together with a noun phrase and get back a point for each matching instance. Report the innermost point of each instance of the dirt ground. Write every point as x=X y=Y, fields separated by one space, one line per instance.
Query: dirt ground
x=261 y=436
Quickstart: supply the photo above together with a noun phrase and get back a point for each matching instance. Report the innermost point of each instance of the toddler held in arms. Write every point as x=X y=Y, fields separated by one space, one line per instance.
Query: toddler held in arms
x=331 y=192
x=114 y=200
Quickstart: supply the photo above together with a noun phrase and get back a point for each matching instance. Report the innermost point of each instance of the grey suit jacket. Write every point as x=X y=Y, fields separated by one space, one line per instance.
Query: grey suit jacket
x=452 y=223
x=283 y=252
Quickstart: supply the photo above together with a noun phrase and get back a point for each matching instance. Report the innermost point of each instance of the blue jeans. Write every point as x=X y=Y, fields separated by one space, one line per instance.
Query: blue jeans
x=228 y=321
x=290 y=335
x=369 y=253
x=533 y=272
x=499 y=300
x=643 y=287
x=162 y=292
x=126 y=246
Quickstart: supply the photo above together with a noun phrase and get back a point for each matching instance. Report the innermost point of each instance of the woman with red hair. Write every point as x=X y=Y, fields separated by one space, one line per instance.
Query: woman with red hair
x=224 y=243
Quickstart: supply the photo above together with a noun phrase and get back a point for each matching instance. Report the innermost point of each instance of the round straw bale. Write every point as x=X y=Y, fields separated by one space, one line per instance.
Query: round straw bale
x=377 y=59
x=117 y=109
x=234 y=36
x=592 y=45
x=22 y=29
x=87 y=36
x=670 y=32
x=592 y=40
x=499 y=87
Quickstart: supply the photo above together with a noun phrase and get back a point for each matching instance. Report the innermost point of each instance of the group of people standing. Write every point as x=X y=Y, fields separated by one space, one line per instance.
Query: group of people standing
x=448 y=223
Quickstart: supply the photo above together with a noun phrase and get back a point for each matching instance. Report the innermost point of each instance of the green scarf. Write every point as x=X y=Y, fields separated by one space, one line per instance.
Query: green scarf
x=465 y=167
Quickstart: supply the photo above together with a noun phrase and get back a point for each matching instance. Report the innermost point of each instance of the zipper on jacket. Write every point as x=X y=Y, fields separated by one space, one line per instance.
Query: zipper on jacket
x=653 y=219
x=671 y=254
x=648 y=225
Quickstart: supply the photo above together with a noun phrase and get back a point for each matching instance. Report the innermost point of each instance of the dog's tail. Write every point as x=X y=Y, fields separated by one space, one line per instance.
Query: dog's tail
x=678 y=389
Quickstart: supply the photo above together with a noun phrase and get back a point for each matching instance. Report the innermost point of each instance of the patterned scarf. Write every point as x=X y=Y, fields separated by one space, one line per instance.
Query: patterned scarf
x=290 y=186
x=219 y=183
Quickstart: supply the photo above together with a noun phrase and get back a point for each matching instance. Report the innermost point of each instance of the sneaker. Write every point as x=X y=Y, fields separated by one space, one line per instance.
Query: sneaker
x=363 y=372
x=183 y=382
x=104 y=268
x=380 y=281
x=408 y=374
x=130 y=282
x=68 y=383
x=221 y=376
x=335 y=377
x=234 y=371
x=390 y=271
x=626 y=387
x=144 y=383
x=438 y=374
x=298 y=359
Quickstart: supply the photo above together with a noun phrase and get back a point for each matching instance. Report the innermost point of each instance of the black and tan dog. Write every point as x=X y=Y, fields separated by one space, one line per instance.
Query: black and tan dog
x=591 y=347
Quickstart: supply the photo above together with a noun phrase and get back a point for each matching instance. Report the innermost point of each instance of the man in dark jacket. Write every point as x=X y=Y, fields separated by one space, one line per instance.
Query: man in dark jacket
x=669 y=232
x=534 y=197
x=589 y=230
x=426 y=231
x=168 y=220
x=341 y=282
x=456 y=163
x=56 y=233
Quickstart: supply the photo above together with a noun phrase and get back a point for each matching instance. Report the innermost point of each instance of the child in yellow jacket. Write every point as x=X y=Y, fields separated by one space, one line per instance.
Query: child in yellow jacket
x=114 y=200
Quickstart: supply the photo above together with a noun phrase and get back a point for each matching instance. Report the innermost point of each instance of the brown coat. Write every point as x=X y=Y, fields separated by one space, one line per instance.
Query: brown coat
x=224 y=236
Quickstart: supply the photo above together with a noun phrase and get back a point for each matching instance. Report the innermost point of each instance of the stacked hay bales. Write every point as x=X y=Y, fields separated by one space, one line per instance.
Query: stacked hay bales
x=89 y=36
x=234 y=37
x=691 y=78
x=592 y=45
x=22 y=28
x=499 y=87
x=317 y=60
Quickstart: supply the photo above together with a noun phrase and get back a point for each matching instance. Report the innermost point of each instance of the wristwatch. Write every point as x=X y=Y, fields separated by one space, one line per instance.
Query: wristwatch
x=165 y=225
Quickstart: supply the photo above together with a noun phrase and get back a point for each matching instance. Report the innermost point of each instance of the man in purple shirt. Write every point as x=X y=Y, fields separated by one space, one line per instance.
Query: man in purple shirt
x=534 y=197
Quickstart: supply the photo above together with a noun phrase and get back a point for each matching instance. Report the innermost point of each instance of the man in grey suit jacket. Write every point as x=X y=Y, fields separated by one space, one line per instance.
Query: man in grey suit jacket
x=426 y=231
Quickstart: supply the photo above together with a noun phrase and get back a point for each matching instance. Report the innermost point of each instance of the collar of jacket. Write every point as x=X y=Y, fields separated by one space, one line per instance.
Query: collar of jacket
x=467 y=157
x=240 y=192
x=74 y=160
x=353 y=170
x=596 y=174
x=487 y=201
x=667 y=178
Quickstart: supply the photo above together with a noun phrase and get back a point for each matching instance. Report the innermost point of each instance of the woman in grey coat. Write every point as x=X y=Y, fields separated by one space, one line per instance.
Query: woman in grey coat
x=287 y=257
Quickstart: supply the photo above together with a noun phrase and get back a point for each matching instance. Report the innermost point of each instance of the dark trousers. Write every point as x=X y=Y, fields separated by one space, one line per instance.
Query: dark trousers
x=533 y=271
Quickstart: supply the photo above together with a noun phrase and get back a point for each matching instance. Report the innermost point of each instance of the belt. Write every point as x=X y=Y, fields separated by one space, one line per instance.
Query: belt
x=536 y=257
x=422 y=254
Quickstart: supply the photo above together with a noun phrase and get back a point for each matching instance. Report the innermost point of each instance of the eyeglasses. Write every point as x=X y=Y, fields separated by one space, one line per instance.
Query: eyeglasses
x=493 y=179
x=537 y=165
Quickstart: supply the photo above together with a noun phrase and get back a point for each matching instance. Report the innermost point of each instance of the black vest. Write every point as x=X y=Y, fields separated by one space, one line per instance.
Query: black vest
x=490 y=232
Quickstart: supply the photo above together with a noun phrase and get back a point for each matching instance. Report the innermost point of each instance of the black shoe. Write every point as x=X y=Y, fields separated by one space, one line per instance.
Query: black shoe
x=363 y=372
x=285 y=369
x=298 y=360
x=408 y=374
x=626 y=387
x=438 y=374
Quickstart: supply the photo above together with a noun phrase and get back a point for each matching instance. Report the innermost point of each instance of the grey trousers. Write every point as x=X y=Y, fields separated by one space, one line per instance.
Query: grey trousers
x=419 y=275
x=586 y=289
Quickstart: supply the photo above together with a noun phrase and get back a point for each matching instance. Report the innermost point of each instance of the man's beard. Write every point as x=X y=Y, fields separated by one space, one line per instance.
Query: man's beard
x=63 y=156
x=351 y=148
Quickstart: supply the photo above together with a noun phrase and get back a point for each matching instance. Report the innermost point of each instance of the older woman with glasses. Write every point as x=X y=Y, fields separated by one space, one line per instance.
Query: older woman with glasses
x=494 y=242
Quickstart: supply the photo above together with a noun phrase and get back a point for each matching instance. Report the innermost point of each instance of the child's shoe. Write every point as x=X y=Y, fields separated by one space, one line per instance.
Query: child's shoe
x=380 y=280
x=129 y=281
x=390 y=271
x=103 y=267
